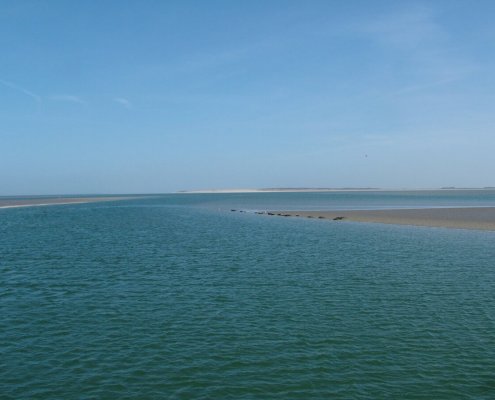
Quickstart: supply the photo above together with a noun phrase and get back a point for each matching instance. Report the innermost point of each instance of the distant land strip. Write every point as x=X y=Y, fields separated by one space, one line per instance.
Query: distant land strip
x=479 y=218
x=51 y=201
x=336 y=189
x=270 y=190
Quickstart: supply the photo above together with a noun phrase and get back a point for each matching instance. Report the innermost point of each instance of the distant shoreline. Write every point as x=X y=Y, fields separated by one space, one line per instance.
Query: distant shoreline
x=477 y=218
x=312 y=190
x=52 y=201
x=274 y=190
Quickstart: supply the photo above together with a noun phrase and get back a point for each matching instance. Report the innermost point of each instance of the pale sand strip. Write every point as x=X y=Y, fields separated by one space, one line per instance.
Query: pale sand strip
x=52 y=201
x=482 y=218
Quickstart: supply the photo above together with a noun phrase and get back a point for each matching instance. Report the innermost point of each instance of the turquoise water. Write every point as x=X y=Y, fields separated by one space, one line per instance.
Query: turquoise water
x=177 y=297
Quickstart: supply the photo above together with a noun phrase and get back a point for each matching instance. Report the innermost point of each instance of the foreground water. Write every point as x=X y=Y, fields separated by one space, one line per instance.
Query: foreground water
x=177 y=297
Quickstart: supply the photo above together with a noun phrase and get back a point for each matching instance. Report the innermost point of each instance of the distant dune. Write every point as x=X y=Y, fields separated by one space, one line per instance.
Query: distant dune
x=277 y=190
x=336 y=189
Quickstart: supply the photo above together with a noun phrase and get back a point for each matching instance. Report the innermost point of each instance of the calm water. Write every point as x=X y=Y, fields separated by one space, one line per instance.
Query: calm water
x=177 y=297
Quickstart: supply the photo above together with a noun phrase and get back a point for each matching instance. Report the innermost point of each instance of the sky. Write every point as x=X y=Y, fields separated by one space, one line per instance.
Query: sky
x=160 y=96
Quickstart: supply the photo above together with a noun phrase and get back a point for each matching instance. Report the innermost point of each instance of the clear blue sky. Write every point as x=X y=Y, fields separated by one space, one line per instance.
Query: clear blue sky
x=158 y=96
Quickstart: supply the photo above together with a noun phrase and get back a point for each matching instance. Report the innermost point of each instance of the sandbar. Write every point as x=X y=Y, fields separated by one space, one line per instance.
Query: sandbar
x=51 y=201
x=480 y=218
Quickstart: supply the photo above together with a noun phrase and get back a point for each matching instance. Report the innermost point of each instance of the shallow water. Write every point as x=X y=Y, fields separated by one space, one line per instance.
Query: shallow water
x=177 y=297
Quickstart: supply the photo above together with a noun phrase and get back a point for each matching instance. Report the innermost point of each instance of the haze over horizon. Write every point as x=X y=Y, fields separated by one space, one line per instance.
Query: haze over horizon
x=154 y=97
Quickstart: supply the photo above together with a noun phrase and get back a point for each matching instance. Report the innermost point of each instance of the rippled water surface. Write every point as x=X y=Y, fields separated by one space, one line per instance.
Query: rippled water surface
x=177 y=297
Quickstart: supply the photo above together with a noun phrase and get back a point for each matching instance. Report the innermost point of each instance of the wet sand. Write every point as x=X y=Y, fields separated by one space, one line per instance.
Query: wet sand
x=51 y=201
x=482 y=218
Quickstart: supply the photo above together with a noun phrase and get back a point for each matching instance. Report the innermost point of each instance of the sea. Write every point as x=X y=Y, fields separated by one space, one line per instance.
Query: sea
x=177 y=297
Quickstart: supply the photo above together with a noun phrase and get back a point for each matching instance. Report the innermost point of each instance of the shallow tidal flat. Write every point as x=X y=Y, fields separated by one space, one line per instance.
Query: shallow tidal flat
x=481 y=218
x=49 y=201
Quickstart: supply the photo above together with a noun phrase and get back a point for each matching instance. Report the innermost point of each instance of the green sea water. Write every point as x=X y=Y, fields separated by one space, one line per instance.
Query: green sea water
x=177 y=297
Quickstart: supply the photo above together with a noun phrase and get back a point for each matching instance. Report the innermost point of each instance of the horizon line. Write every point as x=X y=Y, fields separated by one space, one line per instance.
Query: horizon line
x=253 y=190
